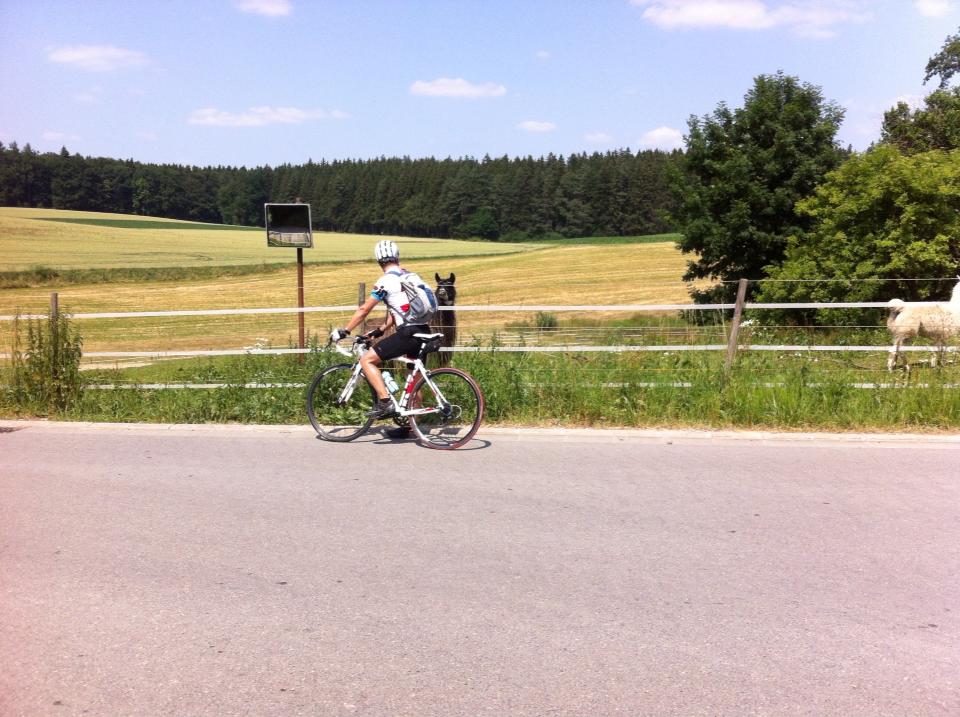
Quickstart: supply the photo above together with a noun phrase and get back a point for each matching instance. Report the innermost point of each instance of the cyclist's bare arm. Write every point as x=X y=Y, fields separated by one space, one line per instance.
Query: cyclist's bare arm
x=369 y=361
x=361 y=313
x=388 y=323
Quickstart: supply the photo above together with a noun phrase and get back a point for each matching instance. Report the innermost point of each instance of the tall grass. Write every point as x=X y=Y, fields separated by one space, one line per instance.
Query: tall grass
x=694 y=390
x=609 y=390
x=44 y=376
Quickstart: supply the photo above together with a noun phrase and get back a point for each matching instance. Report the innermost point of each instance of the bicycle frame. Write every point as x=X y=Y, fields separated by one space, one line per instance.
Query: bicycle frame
x=417 y=368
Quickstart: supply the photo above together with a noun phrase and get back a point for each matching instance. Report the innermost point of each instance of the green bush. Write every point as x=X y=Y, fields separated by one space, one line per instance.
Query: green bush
x=45 y=365
x=546 y=321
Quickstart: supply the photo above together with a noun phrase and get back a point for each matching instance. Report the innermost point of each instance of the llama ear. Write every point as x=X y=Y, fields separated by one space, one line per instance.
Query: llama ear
x=437 y=276
x=453 y=277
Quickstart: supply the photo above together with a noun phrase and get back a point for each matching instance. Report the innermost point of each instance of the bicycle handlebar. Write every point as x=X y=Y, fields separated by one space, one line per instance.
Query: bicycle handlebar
x=362 y=340
x=339 y=349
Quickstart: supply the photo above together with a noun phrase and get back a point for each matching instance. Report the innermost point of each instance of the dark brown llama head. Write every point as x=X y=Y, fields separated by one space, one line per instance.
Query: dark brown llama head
x=446 y=291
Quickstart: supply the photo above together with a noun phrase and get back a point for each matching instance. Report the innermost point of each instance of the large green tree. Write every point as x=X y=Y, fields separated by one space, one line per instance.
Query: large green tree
x=946 y=63
x=936 y=125
x=883 y=220
x=744 y=172
x=887 y=223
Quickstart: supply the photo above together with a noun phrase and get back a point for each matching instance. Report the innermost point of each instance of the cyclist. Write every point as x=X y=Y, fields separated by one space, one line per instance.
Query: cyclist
x=388 y=290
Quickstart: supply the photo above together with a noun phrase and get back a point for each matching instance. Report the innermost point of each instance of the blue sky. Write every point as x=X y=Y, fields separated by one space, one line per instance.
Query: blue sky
x=250 y=82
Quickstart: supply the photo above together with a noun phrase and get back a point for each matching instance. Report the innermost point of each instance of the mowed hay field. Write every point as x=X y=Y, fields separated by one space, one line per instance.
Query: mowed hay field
x=642 y=273
x=85 y=240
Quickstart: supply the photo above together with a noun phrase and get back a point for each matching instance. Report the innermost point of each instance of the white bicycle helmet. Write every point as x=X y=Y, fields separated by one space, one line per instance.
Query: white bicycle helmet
x=386 y=251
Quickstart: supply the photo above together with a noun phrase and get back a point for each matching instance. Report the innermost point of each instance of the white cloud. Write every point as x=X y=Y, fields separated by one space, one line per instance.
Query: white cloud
x=259 y=116
x=536 y=126
x=662 y=138
x=270 y=8
x=543 y=54
x=97 y=58
x=598 y=138
x=456 y=87
x=809 y=18
x=933 y=8
x=740 y=14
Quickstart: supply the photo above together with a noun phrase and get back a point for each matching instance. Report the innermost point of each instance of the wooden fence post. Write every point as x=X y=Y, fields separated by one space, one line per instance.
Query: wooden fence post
x=735 y=325
x=54 y=323
x=300 y=317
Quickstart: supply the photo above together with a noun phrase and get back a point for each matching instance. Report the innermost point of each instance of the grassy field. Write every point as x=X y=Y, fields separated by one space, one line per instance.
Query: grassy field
x=599 y=272
x=82 y=240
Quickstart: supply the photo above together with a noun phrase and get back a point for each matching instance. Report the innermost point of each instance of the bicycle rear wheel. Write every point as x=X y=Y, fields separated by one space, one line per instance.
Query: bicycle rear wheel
x=335 y=419
x=459 y=409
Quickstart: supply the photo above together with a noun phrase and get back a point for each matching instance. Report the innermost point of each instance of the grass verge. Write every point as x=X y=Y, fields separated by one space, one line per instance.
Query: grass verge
x=625 y=390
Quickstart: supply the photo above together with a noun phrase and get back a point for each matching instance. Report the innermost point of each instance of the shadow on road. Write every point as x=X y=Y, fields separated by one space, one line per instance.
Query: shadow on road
x=378 y=436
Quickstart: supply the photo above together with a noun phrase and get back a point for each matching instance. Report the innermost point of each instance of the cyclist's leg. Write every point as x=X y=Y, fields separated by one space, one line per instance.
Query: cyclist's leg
x=395 y=345
x=402 y=343
x=370 y=364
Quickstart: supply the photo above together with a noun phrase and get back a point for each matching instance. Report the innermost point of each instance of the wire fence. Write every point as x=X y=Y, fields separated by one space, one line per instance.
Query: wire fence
x=547 y=331
x=512 y=328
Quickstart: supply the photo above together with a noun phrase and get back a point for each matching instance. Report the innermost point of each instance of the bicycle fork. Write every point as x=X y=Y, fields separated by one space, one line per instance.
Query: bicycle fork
x=347 y=391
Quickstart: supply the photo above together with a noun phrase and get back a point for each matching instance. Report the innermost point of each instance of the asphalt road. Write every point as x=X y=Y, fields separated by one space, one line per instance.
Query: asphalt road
x=240 y=571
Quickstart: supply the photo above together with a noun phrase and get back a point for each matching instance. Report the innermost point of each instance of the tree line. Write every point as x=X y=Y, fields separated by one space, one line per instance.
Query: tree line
x=618 y=193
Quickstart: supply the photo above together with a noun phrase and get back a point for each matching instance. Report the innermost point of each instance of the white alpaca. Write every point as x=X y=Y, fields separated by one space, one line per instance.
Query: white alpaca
x=939 y=321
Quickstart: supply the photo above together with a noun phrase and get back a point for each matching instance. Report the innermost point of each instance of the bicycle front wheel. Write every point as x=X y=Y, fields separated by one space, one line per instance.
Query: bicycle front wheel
x=453 y=408
x=337 y=413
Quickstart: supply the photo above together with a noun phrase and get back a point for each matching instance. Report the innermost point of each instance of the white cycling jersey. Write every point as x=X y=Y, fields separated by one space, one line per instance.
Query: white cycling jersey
x=388 y=290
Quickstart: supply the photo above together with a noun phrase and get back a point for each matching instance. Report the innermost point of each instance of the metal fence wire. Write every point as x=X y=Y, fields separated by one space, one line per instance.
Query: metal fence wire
x=733 y=328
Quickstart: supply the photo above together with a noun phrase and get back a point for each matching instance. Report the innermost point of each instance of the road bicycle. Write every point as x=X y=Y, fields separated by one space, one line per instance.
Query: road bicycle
x=444 y=406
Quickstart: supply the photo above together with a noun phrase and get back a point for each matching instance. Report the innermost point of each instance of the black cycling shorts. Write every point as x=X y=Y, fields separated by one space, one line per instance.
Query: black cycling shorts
x=402 y=343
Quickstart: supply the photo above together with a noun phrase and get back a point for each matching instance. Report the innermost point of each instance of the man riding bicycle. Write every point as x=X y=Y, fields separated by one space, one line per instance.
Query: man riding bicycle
x=389 y=289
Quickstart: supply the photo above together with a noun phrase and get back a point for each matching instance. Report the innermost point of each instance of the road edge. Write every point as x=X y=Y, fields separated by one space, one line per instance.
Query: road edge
x=606 y=435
